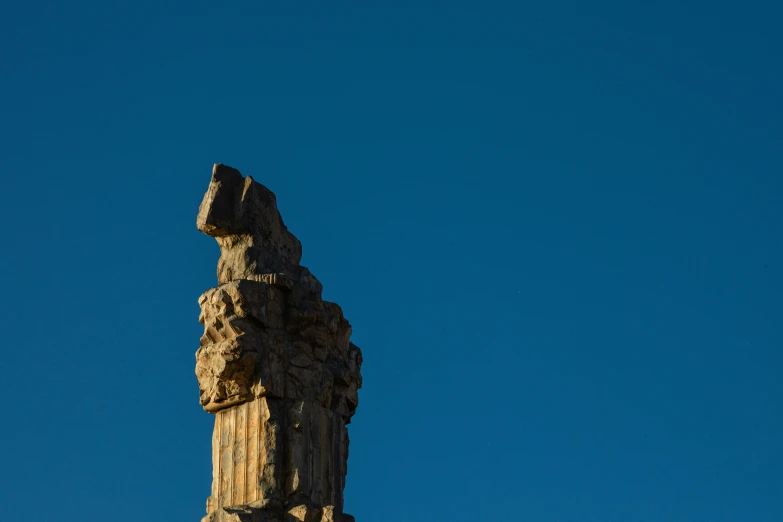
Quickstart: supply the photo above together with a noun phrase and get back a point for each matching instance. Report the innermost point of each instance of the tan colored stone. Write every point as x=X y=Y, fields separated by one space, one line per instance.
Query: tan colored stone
x=269 y=449
x=275 y=365
x=242 y=216
x=251 y=348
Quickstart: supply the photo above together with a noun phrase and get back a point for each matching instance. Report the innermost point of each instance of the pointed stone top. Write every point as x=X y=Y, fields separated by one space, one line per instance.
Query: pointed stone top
x=242 y=215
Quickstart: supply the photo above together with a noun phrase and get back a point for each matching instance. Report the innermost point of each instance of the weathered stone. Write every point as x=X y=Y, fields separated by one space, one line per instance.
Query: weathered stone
x=275 y=365
x=270 y=448
x=250 y=348
x=242 y=215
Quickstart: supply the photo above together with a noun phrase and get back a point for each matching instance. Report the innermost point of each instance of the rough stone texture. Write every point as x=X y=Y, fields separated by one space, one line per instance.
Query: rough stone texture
x=275 y=366
x=262 y=513
x=242 y=216
x=248 y=439
x=262 y=339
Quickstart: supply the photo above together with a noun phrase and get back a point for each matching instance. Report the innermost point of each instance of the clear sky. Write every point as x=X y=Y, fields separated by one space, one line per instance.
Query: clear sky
x=555 y=227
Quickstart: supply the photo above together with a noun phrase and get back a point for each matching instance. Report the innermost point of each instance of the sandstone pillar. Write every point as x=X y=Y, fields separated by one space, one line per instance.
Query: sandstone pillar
x=276 y=367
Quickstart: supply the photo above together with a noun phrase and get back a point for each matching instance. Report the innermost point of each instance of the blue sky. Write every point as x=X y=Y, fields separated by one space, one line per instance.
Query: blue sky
x=554 y=226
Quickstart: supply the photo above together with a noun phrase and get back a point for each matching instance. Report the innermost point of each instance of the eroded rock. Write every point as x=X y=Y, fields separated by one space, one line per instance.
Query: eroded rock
x=275 y=364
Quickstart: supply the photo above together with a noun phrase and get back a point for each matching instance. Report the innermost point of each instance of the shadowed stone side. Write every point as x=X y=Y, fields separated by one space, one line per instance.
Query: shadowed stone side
x=275 y=365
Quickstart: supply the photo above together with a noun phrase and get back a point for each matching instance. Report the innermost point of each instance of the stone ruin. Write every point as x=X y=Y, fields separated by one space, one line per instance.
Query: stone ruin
x=276 y=367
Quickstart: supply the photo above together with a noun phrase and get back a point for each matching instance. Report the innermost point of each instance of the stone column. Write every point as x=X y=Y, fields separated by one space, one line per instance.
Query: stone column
x=276 y=367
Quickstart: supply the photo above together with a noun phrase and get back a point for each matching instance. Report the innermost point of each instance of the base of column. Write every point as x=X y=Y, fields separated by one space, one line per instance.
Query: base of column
x=276 y=514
